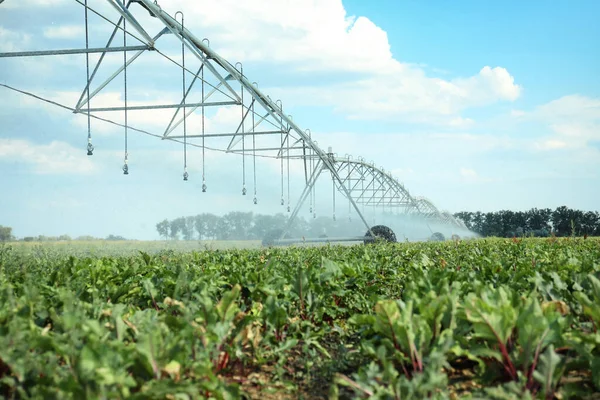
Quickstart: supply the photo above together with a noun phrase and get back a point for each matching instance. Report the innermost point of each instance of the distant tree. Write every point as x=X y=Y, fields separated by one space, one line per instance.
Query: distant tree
x=478 y=222
x=206 y=225
x=211 y=223
x=263 y=224
x=566 y=221
x=5 y=233
x=28 y=239
x=493 y=224
x=178 y=226
x=188 y=233
x=466 y=217
x=511 y=223
x=590 y=224
x=301 y=227
x=200 y=226
x=85 y=238
x=538 y=222
x=222 y=229
x=115 y=238
x=163 y=229
x=64 y=238
x=239 y=224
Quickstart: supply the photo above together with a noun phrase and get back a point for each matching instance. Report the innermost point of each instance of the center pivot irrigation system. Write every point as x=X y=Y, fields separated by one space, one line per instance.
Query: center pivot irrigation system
x=209 y=83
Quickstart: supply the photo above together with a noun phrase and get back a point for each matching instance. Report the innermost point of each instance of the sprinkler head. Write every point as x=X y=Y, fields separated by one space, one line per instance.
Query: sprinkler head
x=310 y=211
x=314 y=215
x=125 y=169
x=255 y=200
x=282 y=202
x=204 y=188
x=185 y=176
x=90 y=149
x=289 y=209
x=244 y=191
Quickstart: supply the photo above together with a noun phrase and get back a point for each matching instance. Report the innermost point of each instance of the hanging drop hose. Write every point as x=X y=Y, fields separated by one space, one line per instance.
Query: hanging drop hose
x=349 y=191
x=278 y=102
x=243 y=133
x=314 y=193
x=90 y=147
x=362 y=184
x=333 y=191
x=185 y=173
x=255 y=200
x=310 y=166
x=288 y=169
x=125 y=166
x=203 y=148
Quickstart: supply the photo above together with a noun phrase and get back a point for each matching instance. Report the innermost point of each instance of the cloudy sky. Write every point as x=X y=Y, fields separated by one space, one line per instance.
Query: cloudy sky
x=477 y=106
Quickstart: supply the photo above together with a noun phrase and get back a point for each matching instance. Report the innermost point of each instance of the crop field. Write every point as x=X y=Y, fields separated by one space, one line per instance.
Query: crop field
x=104 y=248
x=487 y=318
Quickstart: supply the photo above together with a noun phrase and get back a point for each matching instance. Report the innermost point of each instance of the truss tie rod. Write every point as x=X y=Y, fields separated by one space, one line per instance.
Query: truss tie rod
x=162 y=106
x=267 y=149
x=73 y=51
x=224 y=134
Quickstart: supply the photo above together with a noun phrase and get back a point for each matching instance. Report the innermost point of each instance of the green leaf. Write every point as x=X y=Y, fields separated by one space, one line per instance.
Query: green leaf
x=535 y=332
x=227 y=307
x=591 y=307
x=549 y=372
x=595 y=367
x=492 y=314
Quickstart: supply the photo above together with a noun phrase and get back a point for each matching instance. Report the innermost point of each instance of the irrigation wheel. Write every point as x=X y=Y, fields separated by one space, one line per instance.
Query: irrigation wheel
x=382 y=233
x=437 y=237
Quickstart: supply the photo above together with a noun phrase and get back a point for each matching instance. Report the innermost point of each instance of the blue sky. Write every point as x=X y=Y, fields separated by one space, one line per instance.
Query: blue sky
x=475 y=105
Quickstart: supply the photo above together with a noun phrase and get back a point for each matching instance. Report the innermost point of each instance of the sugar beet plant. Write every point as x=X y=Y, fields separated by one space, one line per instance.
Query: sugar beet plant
x=490 y=318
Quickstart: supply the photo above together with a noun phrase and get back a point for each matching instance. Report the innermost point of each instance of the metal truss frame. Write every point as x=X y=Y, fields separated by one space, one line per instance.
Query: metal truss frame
x=221 y=84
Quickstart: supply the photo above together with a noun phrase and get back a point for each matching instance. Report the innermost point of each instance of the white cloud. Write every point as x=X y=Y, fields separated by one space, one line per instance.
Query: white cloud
x=550 y=144
x=570 y=107
x=574 y=120
x=460 y=122
x=12 y=40
x=468 y=173
x=54 y=158
x=318 y=35
x=490 y=84
x=33 y=3
x=64 y=32
x=408 y=94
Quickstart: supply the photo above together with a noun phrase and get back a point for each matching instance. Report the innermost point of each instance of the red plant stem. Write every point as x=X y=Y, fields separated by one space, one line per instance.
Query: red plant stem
x=396 y=345
x=538 y=350
x=508 y=365
x=417 y=357
x=405 y=371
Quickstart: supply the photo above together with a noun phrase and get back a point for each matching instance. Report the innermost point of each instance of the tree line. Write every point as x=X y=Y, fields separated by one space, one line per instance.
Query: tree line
x=238 y=225
x=6 y=236
x=562 y=221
